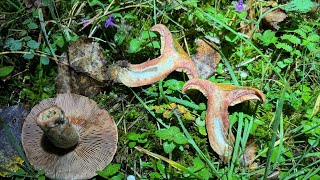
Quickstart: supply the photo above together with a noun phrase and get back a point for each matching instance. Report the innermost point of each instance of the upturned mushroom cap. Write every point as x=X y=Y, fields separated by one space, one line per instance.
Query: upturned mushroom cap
x=220 y=97
x=172 y=58
x=96 y=146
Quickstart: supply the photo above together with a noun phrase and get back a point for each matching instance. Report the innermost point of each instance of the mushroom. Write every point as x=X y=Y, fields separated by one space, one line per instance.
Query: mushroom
x=172 y=58
x=220 y=96
x=69 y=137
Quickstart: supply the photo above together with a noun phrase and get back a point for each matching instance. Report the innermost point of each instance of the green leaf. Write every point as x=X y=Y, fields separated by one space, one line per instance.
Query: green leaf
x=32 y=25
x=267 y=38
x=4 y=71
x=96 y=3
x=154 y=44
x=110 y=170
x=200 y=123
x=59 y=40
x=167 y=134
x=134 y=46
x=148 y=34
x=12 y=44
x=163 y=133
x=168 y=147
x=130 y=16
x=205 y=173
x=284 y=46
x=133 y=136
x=132 y=144
x=161 y=168
x=174 y=84
x=301 y=33
x=27 y=21
x=120 y=176
x=203 y=131
x=28 y=56
x=281 y=65
x=180 y=138
x=119 y=37
x=155 y=175
x=198 y=164
x=292 y=38
x=299 y=5
x=313 y=38
x=33 y=44
x=44 y=60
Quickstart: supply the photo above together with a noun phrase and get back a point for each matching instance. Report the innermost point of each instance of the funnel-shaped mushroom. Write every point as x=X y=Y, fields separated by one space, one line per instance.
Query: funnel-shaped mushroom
x=172 y=58
x=220 y=96
x=69 y=137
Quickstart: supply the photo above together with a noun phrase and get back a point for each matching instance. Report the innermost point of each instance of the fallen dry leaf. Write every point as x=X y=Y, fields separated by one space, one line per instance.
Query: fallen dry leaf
x=206 y=58
x=273 y=18
x=84 y=70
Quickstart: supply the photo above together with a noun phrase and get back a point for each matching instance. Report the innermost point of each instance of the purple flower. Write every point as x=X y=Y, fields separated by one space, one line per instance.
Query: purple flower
x=110 y=21
x=85 y=21
x=239 y=6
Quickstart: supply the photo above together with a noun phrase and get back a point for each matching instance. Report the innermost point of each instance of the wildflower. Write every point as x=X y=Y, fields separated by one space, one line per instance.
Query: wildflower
x=239 y=6
x=85 y=21
x=110 y=21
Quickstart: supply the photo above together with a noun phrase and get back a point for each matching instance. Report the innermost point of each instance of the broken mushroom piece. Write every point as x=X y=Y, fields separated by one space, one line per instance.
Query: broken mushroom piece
x=69 y=137
x=220 y=96
x=172 y=58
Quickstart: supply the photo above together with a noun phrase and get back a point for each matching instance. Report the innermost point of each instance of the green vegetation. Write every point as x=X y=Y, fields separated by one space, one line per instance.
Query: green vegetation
x=162 y=132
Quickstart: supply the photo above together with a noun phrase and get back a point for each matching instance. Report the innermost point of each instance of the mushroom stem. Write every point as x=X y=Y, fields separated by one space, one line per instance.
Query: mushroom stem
x=220 y=96
x=57 y=127
x=172 y=58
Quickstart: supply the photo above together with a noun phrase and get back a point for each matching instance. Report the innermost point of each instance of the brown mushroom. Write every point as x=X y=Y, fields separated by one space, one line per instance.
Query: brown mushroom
x=220 y=96
x=69 y=137
x=172 y=58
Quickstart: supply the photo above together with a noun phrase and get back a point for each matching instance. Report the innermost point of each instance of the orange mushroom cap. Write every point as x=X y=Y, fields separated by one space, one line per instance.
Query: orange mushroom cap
x=220 y=96
x=172 y=58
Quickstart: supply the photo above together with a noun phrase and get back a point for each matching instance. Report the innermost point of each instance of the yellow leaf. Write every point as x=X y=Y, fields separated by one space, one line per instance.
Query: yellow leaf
x=172 y=106
x=189 y=116
x=167 y=114
x=182 y=109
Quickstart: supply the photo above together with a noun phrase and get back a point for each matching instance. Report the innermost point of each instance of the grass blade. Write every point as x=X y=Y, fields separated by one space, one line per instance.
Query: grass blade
x=172 y=163
x=275 y=128
x=193 y=143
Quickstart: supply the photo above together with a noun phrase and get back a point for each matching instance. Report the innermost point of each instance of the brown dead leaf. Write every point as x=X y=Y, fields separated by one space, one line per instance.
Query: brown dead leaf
x=87 y=57
x=206 y=59
x=273 y=18
x=249 y=155
x=35 y=3
x=84 y=70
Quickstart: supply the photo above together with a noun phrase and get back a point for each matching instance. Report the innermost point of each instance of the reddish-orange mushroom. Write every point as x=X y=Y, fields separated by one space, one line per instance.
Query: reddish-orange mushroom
x=220 y=96
x=69 y=137
x=172 y=58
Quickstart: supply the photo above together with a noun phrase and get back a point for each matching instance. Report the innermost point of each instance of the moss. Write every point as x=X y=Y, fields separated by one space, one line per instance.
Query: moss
x=12 y=166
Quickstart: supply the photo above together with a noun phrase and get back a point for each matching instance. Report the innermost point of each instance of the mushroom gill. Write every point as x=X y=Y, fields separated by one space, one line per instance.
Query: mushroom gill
x=172 y=58
x=69 y=137
x=220 y=97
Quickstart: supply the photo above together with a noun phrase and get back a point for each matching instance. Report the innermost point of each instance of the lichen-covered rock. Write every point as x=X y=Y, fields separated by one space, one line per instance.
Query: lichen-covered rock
x=11 y=120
